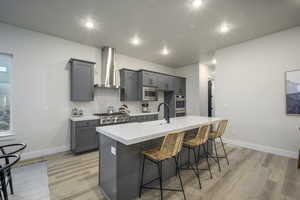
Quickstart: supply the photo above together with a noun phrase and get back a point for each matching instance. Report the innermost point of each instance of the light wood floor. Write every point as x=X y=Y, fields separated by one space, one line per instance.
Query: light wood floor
x=252 y=175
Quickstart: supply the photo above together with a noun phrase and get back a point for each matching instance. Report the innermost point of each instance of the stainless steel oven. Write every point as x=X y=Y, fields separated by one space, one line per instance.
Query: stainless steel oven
x=179 y=103
x=180 y=113
x=149 y=94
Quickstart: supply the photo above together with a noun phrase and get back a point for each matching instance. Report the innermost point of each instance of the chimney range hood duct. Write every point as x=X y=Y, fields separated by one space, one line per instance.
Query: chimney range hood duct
x=108 y=76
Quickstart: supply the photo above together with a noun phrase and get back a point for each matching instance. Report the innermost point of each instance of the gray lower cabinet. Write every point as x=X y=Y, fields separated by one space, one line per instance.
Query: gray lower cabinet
x=129 y=85
x=143 y=118
x=84 y=136
x=82 y=80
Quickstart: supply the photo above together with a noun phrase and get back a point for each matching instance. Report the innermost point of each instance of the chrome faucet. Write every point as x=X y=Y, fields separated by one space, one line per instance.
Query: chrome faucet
x=166 y=116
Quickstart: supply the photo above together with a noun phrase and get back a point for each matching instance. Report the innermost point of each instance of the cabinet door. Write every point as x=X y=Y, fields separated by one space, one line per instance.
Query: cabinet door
x=164 y=82
x=179 y=86
x=149 y=78
x=161 y=81
x=129 y=85
x=82 y=81
x=172 y=83
x=182 y=86
x=86 y=139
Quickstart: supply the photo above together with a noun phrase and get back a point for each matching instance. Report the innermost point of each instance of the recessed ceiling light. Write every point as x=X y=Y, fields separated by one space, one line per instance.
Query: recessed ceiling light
x=197 y=3
x=165 y=51
x=214 y=61
x=89 y=24
x=225 y=28
x=135 y=41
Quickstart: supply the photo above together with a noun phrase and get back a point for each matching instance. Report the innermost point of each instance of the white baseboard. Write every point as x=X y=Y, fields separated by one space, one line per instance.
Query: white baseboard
x=44 y=152
x=262 y=148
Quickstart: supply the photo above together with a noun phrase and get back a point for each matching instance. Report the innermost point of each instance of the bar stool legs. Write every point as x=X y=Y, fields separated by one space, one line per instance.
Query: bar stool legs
x=205 y=150
x=179 y=176
x=217 y=157
x=213 y=135
x=197 y=168
x=190 y=165
x=3 y=184
x=159 y=167
x=142 y=178
x=224 y=151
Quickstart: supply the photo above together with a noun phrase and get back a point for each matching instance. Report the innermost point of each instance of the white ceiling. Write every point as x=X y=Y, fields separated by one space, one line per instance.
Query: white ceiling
x=188 y=33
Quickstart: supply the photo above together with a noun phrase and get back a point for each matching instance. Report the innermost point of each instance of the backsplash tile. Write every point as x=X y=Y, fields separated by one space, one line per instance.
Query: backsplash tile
x=111 y=97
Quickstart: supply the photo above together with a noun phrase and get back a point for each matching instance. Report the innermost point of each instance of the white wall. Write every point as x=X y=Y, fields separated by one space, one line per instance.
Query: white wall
x=250 y=91
x=41 y=105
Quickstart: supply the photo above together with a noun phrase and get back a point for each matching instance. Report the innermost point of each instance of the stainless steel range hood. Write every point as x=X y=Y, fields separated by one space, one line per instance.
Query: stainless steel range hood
x=108 y=74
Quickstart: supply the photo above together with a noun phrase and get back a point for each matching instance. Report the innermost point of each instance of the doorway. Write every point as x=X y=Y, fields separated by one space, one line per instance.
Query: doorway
x=210 y=98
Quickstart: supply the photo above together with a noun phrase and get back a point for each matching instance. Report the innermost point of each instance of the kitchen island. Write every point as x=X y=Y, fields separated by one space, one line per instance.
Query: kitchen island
x=120 y=153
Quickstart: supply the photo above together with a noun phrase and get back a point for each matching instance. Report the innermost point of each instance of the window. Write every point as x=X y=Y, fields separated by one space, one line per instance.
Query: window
x=5 y=85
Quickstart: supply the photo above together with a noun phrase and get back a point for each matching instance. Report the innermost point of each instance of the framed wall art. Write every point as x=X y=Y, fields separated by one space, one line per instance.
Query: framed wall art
x=293 y=92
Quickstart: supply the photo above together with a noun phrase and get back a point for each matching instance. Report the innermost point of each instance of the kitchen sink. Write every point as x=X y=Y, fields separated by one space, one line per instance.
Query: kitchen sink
x=157 y=122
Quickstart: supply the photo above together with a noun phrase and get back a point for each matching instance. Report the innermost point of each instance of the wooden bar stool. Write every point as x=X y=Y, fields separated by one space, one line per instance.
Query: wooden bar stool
x=170 y=148
x=200 y=140
x=218 y=134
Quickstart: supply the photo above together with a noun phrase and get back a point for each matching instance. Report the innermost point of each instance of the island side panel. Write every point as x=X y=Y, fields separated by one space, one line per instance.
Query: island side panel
x=130 y=167
x=108 y=168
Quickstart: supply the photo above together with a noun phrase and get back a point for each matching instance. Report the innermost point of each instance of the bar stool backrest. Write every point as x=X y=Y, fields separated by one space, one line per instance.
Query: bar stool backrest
x=221 y=128
x=202 y=135
x=171 y=145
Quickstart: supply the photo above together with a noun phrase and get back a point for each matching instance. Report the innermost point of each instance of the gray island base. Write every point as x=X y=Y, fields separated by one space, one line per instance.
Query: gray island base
x=120 y=164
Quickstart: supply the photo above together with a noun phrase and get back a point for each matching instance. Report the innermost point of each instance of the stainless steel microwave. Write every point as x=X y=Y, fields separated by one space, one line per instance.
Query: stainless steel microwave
x=150 y=94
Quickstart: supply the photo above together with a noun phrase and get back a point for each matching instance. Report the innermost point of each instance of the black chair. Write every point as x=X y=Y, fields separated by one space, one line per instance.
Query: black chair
x=11 y=149
x=4 y=170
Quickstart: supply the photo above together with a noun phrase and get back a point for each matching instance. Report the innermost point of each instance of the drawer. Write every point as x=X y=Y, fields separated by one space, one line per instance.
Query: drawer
x=87 y=123
x=133 y=119
x=143 y=117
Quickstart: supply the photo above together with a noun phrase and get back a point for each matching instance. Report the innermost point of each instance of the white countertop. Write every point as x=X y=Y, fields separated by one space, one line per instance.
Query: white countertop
x=132 y=133
x=142 y=114
x=84 y=118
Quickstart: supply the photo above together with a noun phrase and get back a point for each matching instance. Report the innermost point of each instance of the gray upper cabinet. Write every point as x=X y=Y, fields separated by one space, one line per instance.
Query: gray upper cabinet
x=129 y=85
x=179 y=85
x=171 y=83
x=162 y=82
x=82 y=80
x=132 y=83
x=148 y=78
